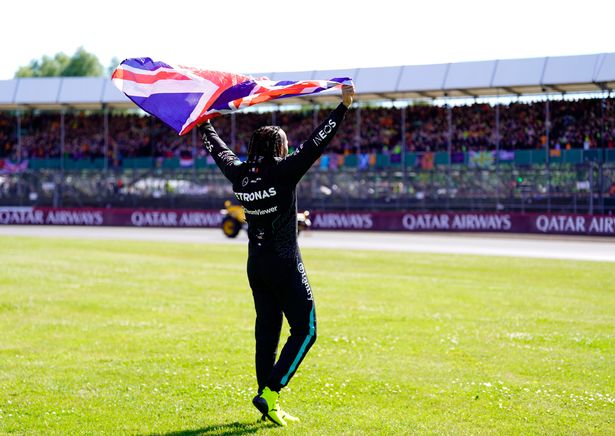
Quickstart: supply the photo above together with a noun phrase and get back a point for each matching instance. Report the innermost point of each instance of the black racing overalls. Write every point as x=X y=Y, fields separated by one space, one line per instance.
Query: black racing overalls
x=276 y=272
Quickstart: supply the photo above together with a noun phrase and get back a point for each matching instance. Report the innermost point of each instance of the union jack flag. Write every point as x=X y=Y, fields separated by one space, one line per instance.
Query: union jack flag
x=6 y=166
x=183 y=97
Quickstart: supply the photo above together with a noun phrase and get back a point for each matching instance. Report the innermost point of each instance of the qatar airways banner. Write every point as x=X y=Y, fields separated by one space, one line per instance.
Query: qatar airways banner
x=110 y=217
x=603 y=225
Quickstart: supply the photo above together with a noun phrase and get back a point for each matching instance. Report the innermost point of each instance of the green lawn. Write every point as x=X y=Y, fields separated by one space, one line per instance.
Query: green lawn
x=157 y=338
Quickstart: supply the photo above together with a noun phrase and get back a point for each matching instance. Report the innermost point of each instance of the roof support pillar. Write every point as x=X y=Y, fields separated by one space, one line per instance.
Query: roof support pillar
x=449 y=119
x=601 y=186
x=194 y=153
x=19 y=145
x=403 y=137
x=402 y=130
x=62 y=139
x=106 y=137
x=315 y=117
x=548 y=150
x=58 y=192
x=357 y=136
x=497 y=150
x=233 y=130
x=497 y=131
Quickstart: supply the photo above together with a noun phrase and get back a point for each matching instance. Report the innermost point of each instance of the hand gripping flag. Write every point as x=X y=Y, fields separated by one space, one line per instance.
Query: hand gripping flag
x=183 y=97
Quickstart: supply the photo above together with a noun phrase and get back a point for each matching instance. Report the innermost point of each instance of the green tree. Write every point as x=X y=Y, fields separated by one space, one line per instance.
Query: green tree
x=53 y=67
x=80 y=64
x=29 y=70
x=113 y=65
x=83 y=64
x=45 y=67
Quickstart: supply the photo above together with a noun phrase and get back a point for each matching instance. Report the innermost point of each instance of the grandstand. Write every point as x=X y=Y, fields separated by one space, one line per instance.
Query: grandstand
x=523 y=134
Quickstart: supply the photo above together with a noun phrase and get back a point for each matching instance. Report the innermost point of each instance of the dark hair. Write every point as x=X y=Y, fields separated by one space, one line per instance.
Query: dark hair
x=265 y=144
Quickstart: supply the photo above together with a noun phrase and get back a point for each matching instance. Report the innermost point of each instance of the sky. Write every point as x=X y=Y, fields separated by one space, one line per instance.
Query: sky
x=277 y=36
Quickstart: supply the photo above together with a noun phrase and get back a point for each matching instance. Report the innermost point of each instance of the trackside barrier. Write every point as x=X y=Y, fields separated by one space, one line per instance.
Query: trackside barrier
x=380 y=160
x=537 y=223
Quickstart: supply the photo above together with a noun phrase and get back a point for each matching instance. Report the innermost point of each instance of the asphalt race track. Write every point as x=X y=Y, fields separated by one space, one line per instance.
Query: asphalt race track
x=553 y=247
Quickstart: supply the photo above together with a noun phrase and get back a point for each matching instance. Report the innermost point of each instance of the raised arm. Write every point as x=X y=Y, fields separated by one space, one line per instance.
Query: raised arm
x=298 y=163
x=226 y=160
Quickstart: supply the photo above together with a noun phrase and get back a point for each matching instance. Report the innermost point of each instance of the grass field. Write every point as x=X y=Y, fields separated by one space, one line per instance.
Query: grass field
x=103 y=337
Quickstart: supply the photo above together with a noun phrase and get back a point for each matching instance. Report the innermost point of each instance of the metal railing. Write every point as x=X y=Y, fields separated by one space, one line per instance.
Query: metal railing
x=587 y=188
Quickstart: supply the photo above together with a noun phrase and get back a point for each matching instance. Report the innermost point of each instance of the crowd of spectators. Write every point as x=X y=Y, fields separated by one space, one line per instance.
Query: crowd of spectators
x=573 y=124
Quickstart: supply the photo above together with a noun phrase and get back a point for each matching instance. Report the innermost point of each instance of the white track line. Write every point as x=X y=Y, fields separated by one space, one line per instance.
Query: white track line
x=553 y=247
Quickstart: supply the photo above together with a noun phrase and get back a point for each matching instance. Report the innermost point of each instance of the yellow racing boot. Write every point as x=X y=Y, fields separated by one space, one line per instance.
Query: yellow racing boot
x=285 y=415
x=267 y=403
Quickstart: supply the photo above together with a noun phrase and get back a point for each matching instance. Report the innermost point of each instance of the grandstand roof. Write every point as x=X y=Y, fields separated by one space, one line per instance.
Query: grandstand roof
x=562 y=74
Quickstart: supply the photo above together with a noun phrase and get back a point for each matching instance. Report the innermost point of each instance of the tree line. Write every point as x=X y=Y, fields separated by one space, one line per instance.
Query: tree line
x=81 y=64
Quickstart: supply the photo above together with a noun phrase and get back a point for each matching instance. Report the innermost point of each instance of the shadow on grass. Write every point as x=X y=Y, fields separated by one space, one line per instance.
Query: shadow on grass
x=234 y=428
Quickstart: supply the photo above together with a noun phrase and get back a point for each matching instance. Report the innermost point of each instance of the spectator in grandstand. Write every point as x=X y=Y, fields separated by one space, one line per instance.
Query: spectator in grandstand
x=573 y=124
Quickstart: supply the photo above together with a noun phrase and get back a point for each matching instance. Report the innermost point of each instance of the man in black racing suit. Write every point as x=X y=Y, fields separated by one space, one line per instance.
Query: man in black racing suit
x=265 y=186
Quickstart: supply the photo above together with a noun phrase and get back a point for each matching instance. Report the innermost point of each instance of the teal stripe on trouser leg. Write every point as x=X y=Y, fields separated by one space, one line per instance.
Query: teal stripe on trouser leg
x=308 y=338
